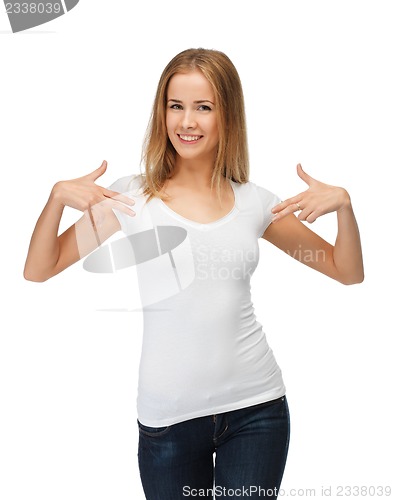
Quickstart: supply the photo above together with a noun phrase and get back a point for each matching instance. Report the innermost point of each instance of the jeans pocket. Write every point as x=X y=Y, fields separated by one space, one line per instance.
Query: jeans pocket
x=152 y=431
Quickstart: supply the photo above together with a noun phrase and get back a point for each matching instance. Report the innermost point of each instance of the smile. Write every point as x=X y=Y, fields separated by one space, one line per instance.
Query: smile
x=190 y=138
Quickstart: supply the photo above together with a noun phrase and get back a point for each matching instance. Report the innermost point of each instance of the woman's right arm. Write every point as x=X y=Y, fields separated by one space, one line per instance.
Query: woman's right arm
x=50 y=253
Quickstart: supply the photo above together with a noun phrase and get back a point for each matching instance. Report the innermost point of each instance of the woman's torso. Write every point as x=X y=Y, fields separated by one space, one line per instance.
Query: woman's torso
x=203 y=350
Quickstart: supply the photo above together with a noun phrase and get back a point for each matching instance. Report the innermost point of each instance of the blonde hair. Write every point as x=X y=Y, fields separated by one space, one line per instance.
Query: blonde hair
x=232 y=156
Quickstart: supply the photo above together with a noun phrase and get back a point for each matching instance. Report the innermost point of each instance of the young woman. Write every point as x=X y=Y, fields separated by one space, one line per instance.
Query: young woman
x=209 y=385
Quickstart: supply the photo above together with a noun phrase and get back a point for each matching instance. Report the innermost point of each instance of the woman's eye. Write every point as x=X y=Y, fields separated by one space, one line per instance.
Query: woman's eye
x=202 y=107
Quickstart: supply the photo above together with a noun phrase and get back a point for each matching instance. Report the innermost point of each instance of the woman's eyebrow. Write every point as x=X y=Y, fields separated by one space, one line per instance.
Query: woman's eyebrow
x=178 y=101
x=203 y=100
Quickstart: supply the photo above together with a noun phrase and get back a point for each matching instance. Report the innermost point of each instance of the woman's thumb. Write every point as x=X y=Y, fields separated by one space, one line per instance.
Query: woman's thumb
x=98 y=171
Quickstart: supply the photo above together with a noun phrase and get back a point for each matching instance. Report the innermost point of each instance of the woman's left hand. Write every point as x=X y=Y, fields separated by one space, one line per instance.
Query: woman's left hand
x=317 y=200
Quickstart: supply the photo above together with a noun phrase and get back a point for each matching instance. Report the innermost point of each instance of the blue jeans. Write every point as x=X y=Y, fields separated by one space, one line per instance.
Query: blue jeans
x=250 y=446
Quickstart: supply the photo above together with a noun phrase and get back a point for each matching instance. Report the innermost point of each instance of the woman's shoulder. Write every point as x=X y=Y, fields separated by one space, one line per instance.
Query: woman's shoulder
x=252 y=190
x=132 y=183
x=250 y=186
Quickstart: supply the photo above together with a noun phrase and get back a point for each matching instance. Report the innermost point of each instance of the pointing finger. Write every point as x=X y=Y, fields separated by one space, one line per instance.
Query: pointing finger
x=118 y=196
x=287 y=203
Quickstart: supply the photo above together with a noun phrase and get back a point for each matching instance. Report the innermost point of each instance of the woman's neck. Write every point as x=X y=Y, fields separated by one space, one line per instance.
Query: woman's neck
x=196 y=174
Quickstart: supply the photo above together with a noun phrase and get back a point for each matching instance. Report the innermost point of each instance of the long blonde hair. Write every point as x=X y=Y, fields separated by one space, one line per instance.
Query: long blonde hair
x=232 y=156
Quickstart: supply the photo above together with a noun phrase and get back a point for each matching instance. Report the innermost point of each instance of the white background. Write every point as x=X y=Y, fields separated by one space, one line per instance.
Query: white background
x=317 y=80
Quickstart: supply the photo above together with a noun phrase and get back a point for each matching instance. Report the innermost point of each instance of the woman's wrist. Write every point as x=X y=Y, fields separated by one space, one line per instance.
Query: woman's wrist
x=345 y=201
x=56 y=196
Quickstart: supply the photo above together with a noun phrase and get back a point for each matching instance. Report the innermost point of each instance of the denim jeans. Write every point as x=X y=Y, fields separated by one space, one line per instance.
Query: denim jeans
x=250 y=446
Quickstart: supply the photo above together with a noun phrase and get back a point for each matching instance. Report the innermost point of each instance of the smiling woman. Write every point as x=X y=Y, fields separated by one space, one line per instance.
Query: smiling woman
x=198 y=88
x=208 y=381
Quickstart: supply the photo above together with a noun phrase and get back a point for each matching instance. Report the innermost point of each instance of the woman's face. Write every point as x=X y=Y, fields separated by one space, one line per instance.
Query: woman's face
x=191 y=116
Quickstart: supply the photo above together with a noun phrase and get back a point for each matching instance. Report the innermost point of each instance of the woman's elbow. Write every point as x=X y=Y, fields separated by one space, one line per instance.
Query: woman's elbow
x=30 y=275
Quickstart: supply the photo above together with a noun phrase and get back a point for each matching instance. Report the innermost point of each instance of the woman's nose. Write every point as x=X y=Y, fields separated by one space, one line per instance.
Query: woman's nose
x=188 y=120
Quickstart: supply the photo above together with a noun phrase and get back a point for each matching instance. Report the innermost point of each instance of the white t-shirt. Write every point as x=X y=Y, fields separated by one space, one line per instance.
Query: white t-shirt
x=203 y=350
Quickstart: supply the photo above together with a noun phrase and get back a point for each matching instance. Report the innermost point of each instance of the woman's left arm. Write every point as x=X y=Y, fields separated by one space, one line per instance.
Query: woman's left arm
x=343 y=261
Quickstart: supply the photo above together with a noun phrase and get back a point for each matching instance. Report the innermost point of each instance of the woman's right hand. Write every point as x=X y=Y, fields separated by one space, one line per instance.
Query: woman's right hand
x=49 y=253
x=85 y=195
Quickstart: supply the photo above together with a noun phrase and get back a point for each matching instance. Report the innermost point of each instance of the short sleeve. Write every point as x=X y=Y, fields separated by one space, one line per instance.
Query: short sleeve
x=267 y=201
x=124 y=184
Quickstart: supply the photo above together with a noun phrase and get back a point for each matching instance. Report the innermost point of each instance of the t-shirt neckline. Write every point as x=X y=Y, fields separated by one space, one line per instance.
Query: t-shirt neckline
x=205 y=225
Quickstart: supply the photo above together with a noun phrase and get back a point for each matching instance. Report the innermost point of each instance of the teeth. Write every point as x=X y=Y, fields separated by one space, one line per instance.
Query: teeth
x=190 y=137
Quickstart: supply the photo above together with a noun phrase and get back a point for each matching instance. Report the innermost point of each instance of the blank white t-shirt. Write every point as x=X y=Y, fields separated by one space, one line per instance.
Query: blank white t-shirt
x=203 y=350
